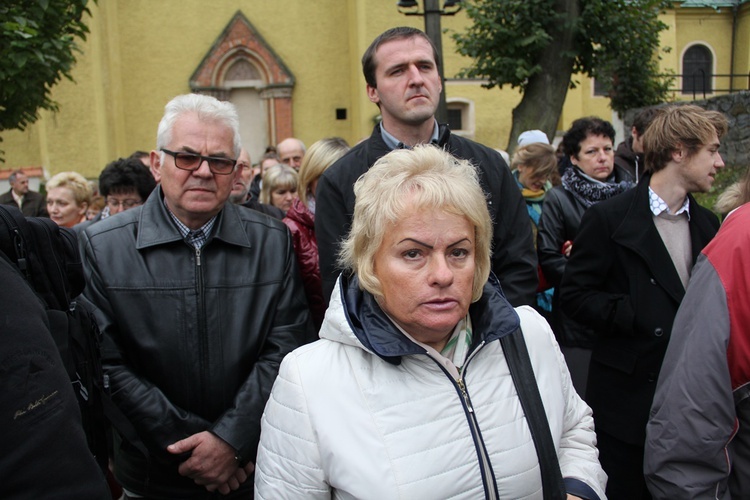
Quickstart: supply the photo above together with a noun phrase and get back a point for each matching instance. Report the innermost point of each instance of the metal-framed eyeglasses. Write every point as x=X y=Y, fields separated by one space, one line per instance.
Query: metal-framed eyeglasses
x=114 y=204
x=193 y=161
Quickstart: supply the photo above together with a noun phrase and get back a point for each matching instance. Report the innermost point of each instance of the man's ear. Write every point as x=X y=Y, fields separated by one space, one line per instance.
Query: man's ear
x=155 y=159
x=372 y=94
x=678 y=154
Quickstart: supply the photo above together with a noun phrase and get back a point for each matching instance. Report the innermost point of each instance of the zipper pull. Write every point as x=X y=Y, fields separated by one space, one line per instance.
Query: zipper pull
x=465 y=395
x=198 y=256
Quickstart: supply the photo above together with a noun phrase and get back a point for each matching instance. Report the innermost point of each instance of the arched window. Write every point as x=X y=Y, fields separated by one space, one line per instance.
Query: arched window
x=697 y=70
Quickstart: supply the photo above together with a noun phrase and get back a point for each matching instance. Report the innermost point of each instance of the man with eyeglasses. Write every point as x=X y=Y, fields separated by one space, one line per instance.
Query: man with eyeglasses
x=198 y=301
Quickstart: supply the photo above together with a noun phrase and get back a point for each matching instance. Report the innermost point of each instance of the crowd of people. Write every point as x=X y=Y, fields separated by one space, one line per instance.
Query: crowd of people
x=414 y=317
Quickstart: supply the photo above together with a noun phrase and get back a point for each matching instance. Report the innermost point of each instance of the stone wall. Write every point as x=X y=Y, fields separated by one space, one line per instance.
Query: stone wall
x=735 y=146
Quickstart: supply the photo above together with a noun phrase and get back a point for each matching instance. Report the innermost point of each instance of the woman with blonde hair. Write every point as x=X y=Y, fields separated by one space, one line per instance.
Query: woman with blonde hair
x=279 y=186
x=421 y=385
x=68 y=198
x=300 y=219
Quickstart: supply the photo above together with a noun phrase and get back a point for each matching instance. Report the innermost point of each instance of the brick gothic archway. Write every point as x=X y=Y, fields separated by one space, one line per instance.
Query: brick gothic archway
x=241 y=67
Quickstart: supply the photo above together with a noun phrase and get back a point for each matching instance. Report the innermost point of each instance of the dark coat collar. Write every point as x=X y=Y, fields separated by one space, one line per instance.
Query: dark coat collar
x=638 y=232
x=156 y=226
x=492 y=317
x=377 y=148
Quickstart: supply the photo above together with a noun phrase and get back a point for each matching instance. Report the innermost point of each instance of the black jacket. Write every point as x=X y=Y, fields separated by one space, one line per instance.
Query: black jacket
x=513 y=256
x=34 y=204
x=192 y=339
x=561 y=217
x=45 y=454
x=629 y=160
x=621 y=282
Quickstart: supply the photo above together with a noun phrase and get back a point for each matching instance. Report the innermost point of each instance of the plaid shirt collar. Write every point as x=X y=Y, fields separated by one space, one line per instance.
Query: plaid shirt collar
x=195 y=238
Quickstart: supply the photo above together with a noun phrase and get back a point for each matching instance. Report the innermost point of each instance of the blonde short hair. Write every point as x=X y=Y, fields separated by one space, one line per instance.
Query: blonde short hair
x=317 y=159
x=277 y=177
x=539 y=157
x=77 y=184
x=426 y=177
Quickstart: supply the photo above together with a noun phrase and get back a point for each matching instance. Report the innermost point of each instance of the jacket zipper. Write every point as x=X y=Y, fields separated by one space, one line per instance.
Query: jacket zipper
x=490 y=488
x=202 y=335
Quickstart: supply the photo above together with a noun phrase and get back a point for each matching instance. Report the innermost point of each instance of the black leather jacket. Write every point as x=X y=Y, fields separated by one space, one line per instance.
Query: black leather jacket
x=192 y=338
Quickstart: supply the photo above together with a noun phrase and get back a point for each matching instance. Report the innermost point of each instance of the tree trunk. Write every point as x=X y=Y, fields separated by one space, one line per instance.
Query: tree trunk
x=543 y=99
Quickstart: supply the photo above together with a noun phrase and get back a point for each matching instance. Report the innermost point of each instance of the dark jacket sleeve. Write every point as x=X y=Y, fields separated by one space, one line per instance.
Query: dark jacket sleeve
x=240 y=425
x=513 y=257
x=583 y=290
x=331 y=226
x=693 y=414
x=550 y=238
x=158 y=423
x=552 y=233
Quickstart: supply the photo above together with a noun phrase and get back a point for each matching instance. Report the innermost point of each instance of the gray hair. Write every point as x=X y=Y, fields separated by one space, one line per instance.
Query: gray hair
x=207 y=108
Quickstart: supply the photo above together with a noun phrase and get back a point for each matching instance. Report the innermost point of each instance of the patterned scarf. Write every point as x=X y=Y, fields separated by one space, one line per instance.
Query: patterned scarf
x=588 y=190
x=458 y=345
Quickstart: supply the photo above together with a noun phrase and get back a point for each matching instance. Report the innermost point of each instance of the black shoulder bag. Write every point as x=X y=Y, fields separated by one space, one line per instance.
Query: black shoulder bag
x=519 y=363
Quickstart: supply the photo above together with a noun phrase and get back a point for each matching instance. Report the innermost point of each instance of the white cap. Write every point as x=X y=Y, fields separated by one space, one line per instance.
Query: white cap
x=532 y=136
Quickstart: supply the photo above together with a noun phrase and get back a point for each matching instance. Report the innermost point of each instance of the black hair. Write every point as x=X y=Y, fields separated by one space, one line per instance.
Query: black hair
x=126 y=174
x=582 y=128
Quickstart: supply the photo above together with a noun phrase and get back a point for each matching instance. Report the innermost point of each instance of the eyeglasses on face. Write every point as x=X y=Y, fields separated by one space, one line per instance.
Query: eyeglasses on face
x=192 y=162
x=125 y=204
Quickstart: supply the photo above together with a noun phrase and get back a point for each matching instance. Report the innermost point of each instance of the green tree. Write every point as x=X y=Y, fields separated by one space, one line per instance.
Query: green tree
x=38 y=41
x=537 y=45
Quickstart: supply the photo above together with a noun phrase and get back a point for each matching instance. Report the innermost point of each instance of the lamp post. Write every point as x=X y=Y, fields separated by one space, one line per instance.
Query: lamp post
x=432 y=13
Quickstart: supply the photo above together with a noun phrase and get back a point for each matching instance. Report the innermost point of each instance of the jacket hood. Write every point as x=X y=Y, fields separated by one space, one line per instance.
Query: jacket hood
x=355 y=318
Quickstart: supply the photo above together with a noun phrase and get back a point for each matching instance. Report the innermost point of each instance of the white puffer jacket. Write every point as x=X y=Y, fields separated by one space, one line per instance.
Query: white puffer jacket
x=365 y=413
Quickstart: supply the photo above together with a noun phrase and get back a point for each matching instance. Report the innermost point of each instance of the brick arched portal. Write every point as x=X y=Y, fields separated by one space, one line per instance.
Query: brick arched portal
x=241 y=66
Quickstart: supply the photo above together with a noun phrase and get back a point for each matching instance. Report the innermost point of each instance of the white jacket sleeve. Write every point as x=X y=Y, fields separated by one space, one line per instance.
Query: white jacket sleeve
x=574 y=429
x=288 y=463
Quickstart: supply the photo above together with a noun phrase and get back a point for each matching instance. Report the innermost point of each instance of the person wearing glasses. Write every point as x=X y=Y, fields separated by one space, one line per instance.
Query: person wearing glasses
x=198 y=300
x=124 y=184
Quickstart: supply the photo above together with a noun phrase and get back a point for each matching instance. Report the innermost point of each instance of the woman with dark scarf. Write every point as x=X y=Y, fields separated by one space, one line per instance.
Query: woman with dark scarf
x=533 y=165
x=593 y=177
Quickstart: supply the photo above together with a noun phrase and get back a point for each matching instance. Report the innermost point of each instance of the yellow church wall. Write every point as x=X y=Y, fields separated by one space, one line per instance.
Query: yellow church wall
x=742 y=45
x=141 y=53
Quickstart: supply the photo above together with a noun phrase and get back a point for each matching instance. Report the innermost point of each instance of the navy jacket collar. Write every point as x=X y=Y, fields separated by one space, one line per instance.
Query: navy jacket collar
x=492 y=317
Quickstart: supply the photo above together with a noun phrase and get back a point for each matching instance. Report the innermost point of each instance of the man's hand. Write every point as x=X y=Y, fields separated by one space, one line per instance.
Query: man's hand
x=211 y=463
x=566 y=248
x=237 y=479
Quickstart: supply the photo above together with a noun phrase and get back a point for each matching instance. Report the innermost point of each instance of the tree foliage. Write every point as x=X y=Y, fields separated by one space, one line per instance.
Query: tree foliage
x=38 y=41
x=529 y=44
